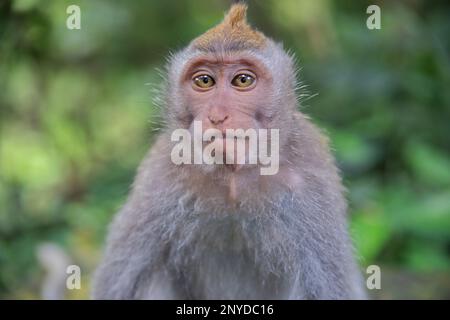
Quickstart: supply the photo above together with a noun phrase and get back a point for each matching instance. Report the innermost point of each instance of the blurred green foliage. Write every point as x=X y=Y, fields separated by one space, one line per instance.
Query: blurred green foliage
x=76 y=117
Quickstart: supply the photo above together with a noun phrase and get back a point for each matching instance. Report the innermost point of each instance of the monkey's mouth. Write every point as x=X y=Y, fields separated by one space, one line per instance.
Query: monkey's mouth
x=226 y=152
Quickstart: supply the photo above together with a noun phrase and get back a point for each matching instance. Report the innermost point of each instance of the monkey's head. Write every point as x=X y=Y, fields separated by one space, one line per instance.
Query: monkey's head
x=231 y=77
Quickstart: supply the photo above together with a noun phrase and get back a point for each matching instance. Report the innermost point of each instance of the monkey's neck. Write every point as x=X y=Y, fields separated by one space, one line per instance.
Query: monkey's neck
x=234 y=186
x=242 y=183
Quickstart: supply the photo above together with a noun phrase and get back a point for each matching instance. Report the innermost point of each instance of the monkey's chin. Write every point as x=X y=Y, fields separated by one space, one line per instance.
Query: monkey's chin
x=224 y=168
x=234 y=167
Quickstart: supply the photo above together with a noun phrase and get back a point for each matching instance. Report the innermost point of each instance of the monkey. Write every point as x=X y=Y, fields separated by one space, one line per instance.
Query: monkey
x=196 y=231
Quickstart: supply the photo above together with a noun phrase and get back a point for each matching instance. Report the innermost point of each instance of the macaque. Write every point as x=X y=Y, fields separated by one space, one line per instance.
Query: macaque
x=226 y=231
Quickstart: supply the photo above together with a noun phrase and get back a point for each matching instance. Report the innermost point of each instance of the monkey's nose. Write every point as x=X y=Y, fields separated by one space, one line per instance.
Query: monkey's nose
x=215 y=120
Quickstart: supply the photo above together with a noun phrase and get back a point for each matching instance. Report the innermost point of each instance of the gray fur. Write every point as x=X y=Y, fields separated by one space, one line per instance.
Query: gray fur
x=178 y=237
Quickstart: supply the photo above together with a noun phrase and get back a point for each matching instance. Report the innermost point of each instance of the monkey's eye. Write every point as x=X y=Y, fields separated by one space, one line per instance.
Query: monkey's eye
x=243 y=80
x=204 y=81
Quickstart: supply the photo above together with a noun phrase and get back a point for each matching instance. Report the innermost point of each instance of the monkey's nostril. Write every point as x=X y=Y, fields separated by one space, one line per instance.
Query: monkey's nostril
x=215 y=120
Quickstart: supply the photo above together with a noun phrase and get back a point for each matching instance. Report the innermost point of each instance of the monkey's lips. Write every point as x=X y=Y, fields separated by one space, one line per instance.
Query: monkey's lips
x=227 y=149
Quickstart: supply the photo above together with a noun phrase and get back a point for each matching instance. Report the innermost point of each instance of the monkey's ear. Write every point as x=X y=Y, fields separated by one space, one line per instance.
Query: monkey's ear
x=233 y=32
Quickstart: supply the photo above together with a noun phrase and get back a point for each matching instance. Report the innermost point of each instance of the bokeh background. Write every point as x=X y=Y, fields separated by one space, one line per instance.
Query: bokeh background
x=76 y=118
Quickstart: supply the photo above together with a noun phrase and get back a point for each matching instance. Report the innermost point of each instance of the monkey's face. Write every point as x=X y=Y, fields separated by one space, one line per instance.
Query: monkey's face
x=229 y=92
x=226 y=92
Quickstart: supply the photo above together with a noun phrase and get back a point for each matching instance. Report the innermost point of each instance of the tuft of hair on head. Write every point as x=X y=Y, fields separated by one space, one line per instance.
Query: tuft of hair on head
x=233 y=33
x=236 y=15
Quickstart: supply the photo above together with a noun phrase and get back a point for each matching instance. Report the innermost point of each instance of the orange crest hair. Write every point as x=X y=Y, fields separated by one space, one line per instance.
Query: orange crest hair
x=233 y=33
